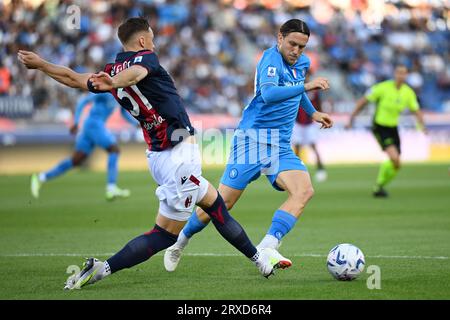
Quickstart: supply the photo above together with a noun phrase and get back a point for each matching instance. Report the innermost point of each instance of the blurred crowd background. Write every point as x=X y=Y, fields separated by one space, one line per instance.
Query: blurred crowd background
x=211 y=47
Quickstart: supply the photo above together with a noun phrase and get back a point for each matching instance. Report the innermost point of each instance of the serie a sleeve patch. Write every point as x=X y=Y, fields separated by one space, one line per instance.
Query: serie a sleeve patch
x=271 y=71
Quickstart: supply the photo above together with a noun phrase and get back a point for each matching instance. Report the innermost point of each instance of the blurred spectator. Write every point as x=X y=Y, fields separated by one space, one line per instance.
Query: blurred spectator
x=211 y=47
x=5 y=79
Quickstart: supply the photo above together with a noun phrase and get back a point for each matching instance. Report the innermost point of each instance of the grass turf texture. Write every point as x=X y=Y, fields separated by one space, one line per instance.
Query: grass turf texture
x=41 y=238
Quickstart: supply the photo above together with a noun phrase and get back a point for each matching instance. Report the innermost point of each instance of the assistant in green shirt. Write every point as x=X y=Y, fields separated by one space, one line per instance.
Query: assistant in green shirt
x=390 y=97
x=391 y=101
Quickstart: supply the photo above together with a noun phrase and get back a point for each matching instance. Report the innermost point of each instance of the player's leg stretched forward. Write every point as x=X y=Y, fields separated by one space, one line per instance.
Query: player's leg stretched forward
x=298 y=185
x=196 y=223
x=164 y=234
x=37 y=180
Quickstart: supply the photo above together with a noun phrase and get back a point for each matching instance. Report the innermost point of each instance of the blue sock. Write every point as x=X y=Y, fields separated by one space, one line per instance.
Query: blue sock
x=193 y=225
x=59 y=169
x=282 y=223
x=113 y=158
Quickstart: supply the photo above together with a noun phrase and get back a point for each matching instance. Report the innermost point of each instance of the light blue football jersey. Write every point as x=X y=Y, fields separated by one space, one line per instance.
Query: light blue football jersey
x=102 y=107
x=280 y=115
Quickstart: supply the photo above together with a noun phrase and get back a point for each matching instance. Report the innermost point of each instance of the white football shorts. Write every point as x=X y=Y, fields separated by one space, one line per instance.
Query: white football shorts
x=178 y=173
x=304 y=134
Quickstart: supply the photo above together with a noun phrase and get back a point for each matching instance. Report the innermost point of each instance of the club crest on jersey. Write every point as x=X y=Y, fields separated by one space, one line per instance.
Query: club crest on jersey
x=271 y=71
x=294 y=72
x=188 y=201
x=233 y=173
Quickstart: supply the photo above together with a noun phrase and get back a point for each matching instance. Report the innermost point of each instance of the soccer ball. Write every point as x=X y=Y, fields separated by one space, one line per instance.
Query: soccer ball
x=345 y=262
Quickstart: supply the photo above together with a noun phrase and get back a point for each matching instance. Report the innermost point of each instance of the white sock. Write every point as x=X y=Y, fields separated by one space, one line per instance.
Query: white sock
x=182 y=240
x=42 y=177
x=106 y=269
x=269 y=241
x=111 y=186
x=103 y=272
x=255 y=258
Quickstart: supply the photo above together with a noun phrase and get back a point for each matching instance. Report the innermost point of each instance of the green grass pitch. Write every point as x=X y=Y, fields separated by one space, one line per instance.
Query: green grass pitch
x=407 y=236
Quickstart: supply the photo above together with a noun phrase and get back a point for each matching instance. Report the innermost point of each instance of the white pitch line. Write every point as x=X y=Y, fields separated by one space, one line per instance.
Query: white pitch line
x=313 y=255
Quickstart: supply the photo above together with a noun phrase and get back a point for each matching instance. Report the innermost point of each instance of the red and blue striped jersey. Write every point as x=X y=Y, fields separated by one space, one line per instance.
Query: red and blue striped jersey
x=302 y=116
x=153 y=101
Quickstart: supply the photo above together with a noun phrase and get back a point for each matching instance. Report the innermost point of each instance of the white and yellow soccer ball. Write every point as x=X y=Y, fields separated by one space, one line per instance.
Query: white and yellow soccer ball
x=345 y=262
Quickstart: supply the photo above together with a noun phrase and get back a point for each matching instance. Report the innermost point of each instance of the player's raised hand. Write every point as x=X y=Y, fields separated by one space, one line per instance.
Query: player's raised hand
x=30 y=59
x=323 y=118
x=320 y=83
x=101 y=81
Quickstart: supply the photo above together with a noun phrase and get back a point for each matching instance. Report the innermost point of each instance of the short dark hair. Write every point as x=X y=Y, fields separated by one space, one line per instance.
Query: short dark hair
x=401 y=65
x=294 y=25
x=130 y=27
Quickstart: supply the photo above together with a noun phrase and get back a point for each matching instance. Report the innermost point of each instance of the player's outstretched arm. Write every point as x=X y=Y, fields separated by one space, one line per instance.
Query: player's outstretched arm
x=360 y=104
x=126 y=78
x=272 y=93
x=61 y=74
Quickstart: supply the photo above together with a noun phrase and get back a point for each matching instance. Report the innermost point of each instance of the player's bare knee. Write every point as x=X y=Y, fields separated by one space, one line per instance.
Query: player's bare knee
x=302 y=196
x=229 y=204
x=309 y=193
x=78 y=160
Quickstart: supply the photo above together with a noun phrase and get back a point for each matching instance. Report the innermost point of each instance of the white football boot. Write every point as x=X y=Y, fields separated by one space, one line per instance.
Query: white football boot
x=88 y=275
x=171 y=257
x=269 y=260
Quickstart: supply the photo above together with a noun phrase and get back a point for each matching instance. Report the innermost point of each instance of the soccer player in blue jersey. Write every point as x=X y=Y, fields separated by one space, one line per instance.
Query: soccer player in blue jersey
x=261 y=144
x=144 y=88
x=94 y=133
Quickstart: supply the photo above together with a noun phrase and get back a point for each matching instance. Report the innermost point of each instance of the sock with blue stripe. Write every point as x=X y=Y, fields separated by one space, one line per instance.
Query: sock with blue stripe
x=193 y=226
x=282 y=223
